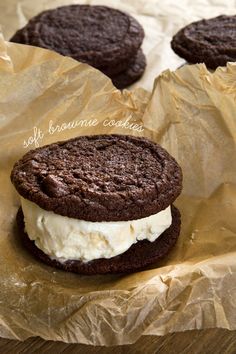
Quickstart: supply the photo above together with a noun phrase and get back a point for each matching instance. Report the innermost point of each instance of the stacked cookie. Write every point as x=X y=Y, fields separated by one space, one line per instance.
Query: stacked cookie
x=102 y=37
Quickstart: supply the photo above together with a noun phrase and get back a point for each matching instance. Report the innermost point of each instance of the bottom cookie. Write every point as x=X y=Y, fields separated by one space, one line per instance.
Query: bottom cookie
x=132 y=73
x=137 y=257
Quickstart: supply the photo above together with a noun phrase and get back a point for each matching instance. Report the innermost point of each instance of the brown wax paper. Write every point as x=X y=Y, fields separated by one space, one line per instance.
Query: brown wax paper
x=44 y=98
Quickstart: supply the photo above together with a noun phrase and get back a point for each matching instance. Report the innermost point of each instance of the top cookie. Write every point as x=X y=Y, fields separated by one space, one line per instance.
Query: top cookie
x=212 y=41
x=98 y=35
x=99 y=178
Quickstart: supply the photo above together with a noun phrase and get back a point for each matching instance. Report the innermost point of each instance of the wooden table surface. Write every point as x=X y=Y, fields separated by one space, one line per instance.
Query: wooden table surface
x=212 y=341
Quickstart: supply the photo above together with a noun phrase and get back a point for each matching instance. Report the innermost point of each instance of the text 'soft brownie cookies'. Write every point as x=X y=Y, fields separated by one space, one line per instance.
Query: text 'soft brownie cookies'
x=106 y=38
x=211 y=41
x=98 y=204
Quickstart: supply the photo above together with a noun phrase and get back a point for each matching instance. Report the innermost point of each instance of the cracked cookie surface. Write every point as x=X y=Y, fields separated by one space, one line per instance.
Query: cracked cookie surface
x=99 y=177
x=211 y=41
x=101 y=36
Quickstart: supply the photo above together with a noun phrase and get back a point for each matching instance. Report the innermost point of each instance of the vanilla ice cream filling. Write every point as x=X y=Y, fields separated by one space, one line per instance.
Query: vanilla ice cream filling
x=64 y=238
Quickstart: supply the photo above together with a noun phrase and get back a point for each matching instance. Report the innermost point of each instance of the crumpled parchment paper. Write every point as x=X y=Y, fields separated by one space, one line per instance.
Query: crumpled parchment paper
x=191 y=112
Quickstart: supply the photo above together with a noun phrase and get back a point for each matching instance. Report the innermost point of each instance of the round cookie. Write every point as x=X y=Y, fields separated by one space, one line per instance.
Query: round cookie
x=99 y=178
x=212 y=41
x=137 y=257
x=103 y=37
x=132 y=74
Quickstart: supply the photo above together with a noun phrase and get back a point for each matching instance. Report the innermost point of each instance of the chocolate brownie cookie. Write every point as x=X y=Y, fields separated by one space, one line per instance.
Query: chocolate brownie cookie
x=99 y=178
x=132 y=74
x=98 y=204
x=212 y=41
x=137 y=257
x=103 y=37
